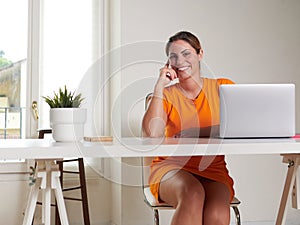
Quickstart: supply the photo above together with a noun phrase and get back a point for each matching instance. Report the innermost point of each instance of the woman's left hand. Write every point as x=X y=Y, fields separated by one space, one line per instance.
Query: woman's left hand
x=188 y=133
x=196 y=132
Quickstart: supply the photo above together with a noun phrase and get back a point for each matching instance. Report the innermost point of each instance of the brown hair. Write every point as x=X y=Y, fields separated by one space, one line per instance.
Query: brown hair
x=185 y=36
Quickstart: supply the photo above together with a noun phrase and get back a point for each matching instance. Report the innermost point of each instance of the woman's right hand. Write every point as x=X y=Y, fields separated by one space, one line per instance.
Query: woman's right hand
x=166 y=75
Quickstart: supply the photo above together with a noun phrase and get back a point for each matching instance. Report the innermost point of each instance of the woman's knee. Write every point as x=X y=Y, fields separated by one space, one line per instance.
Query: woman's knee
x=184 y=188
x=217 y=214
x=193 y=195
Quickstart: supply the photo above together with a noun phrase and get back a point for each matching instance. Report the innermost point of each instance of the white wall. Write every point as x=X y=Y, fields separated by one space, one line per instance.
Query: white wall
x=14 y=196
x=15 y=191
x=248 y=41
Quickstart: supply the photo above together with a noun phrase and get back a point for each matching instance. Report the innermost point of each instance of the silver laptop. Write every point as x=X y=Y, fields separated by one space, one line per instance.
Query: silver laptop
x=257 y=110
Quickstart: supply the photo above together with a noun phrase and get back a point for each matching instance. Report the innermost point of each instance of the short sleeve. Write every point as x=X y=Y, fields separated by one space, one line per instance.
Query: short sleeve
x=224 y=81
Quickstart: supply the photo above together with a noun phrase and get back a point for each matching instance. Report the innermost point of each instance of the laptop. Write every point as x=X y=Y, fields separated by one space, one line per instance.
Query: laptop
x=257 y=110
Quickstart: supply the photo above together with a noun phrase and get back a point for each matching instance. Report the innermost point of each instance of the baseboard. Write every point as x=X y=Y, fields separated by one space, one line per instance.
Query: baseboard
x=258 y=223
x=289 y=222
x=95 y=223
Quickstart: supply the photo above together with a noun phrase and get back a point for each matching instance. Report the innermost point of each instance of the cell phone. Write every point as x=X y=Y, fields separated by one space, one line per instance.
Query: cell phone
x=169 y=67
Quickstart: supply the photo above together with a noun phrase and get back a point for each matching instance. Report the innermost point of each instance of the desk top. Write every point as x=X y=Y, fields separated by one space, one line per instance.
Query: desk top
x=137 y=147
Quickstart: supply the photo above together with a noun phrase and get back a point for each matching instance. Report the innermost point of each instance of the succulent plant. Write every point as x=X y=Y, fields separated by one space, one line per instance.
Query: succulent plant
x=64 y=99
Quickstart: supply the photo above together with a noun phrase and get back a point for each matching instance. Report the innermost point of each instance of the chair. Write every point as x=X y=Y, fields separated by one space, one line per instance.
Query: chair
x=150 y=199
x=82 y=187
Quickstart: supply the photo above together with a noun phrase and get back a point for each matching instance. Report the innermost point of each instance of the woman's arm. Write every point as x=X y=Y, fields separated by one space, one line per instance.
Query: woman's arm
x=155 y=118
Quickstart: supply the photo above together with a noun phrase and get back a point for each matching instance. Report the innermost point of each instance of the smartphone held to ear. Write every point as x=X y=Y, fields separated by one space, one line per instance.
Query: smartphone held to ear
x=169 y=74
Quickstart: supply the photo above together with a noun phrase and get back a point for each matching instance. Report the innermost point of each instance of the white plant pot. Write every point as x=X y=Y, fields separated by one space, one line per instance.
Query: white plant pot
x=67 y=124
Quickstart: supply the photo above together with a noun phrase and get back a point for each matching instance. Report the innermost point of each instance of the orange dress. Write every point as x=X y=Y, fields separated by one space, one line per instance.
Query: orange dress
x=183 y=113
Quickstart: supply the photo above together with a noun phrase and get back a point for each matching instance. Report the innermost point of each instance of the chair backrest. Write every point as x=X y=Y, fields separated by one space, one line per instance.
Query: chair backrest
x=146 y=161
x=42 y=133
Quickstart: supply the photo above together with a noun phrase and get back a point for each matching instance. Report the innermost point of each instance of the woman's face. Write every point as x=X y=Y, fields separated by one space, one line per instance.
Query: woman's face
x=184 y=59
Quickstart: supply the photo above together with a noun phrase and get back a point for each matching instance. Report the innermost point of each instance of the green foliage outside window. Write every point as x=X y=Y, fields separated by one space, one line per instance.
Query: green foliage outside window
x=3 y=61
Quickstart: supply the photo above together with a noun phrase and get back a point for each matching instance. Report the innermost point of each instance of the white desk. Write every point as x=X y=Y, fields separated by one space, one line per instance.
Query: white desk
x=137 y=147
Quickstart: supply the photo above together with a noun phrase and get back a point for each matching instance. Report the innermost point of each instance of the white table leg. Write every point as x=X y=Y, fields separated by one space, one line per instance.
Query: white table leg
x=43 y=185
x=33 y=195
x=59 y=197
x=47 y=195
x=290 y=179
x=47 y=178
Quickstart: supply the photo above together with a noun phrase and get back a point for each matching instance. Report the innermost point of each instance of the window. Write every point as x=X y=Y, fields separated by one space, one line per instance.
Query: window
x=13 y=75
x=64 y=41
x=71 y=33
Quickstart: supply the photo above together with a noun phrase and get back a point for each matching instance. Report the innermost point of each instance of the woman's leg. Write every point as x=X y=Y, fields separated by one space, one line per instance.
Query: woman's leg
x=217 y=203
x=183 y=191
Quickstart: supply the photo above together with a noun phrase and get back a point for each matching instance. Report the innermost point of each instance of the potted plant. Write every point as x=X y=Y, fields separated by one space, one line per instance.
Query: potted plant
x=67 y=119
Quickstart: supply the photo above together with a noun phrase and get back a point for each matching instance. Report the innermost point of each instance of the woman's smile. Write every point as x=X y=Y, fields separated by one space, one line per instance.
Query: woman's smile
x=183 y=68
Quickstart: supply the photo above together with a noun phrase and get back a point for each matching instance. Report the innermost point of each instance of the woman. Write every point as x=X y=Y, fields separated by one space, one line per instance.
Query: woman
x=199 y=187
